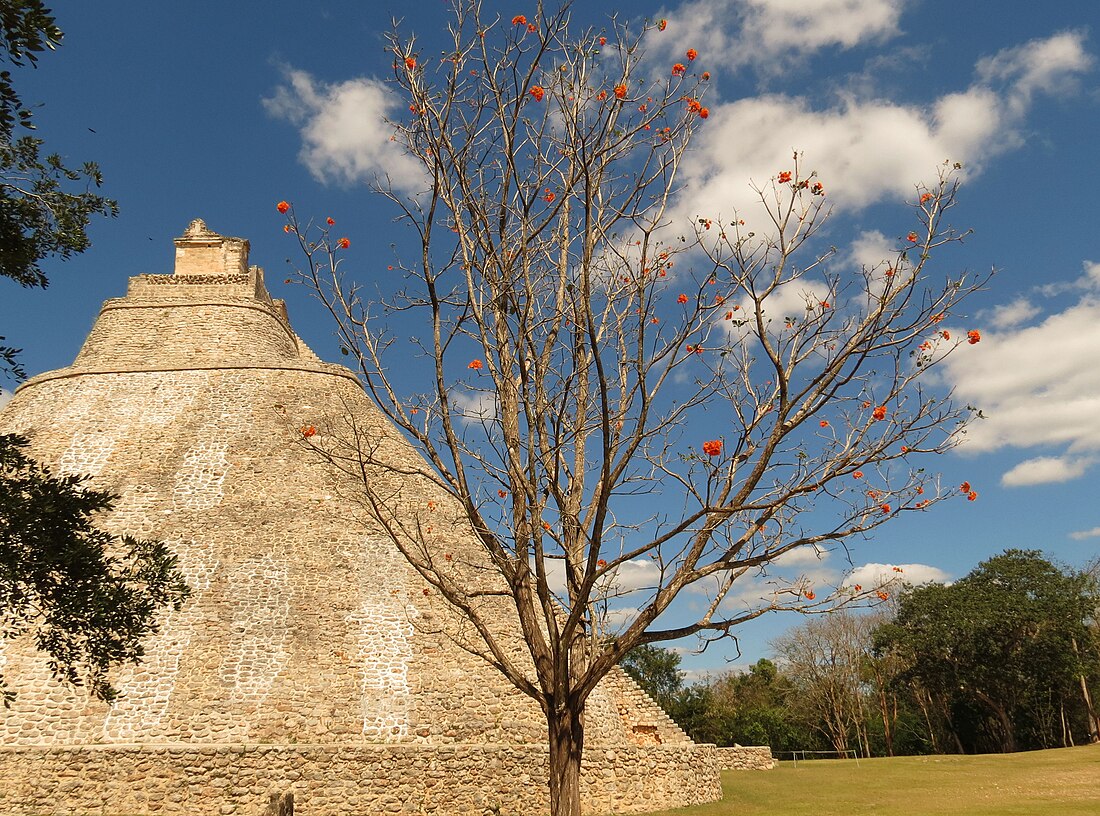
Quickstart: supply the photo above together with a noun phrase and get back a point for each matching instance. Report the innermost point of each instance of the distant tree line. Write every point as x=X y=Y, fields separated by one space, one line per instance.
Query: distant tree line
x=1005 y=659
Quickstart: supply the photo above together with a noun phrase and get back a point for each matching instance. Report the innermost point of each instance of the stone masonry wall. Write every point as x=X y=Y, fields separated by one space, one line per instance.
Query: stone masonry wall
x=746 y=758
x=326 y=780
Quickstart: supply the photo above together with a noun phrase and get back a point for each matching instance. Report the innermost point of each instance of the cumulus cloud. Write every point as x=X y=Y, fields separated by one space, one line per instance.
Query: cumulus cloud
x=873 y=575
x=344 y=130
x=1081 y=535
x=769 y=34
x=868 y=149
x=1010 y=315
x=1038 y=385
x=475 y=406
x=1046 y=469
x=1047 y=66
x=4 y=397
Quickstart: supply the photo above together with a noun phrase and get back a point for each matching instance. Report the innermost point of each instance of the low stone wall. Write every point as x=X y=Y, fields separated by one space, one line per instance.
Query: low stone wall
x=746 y=758
x=329 y=780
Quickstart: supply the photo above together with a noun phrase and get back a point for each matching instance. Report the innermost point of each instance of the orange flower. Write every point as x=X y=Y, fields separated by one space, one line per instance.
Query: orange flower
x=476 y=365
x=937 y=318
x=546 y=525
x=713 y=447
x=825 y=304
x=678 y=69
x=620 y=91
x=784 y=177
x=502 y=493
x=603 y=40
x=410 y=63
x=818 y=188
x=308 y=431
x=912 y=237
x=692 y=54
x=343 y=243
x=858 y=474
x=519 y=19
x=329 y=221
x=964 y=487
x=973 y=336
x=809 y=594
x=885 y=508
x=706 y=76
x=682 y=299
x=925 y=198
x=824 y=423
x=282 y=206
x=704 y=113
x=858 y=587
x=531 y=28
x=905 y=449
x=538 y=92
x=945 y=334
x=662 y=25
x=549 y=197
x=882 y=595
x=972 y=495
x=879 y=413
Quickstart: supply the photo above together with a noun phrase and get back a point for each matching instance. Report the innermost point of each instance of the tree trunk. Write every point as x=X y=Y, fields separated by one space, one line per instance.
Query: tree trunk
x=887 y=722
x=566 y=730
x=1008 y=734
x=1094 y=722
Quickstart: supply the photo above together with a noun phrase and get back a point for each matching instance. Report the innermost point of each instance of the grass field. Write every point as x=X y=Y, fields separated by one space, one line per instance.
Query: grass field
x=1063 y=782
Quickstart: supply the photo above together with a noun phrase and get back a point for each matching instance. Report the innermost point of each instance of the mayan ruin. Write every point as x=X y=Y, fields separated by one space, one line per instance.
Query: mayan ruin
x=310 y=659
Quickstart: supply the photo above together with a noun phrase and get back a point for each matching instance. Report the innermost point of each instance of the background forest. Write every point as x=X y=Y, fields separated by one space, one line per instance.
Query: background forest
x=1005 y=659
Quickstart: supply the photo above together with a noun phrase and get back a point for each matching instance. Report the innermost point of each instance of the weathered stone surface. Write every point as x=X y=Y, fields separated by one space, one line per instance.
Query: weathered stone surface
x=310 y=658
x=746 y=758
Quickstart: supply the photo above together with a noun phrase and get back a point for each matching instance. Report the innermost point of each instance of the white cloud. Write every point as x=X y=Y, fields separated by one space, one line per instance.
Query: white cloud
x=638 y=573
x=1011 y=315
x=802 y=556
x=873 y=575
x=1046 y=469
x=793 y=299
x=1081 y=535
x=1037 y=386
x=769 y=34
x=475 y=406
x=1046 y=66
x=871 y=249
x=344 y=129
x=5 y=396
x=867 y=149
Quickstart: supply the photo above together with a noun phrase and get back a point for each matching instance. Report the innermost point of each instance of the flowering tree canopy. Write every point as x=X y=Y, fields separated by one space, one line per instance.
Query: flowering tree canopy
x=699 y=398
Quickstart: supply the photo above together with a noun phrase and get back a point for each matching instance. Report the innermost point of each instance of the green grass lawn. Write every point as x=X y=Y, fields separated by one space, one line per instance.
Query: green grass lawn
x=1063 y=782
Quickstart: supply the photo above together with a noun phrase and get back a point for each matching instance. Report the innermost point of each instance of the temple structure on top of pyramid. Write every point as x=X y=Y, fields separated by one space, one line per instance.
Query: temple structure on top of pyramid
x=310 y=659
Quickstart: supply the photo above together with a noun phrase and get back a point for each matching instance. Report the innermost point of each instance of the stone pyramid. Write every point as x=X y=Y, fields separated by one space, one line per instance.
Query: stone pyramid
x=310 y=659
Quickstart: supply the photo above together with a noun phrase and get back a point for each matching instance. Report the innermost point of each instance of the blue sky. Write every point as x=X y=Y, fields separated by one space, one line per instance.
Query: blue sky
x=220 y=110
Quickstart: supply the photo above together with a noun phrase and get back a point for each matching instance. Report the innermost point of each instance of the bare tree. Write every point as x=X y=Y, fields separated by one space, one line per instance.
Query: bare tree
x=825 y=657
x=641 y=399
